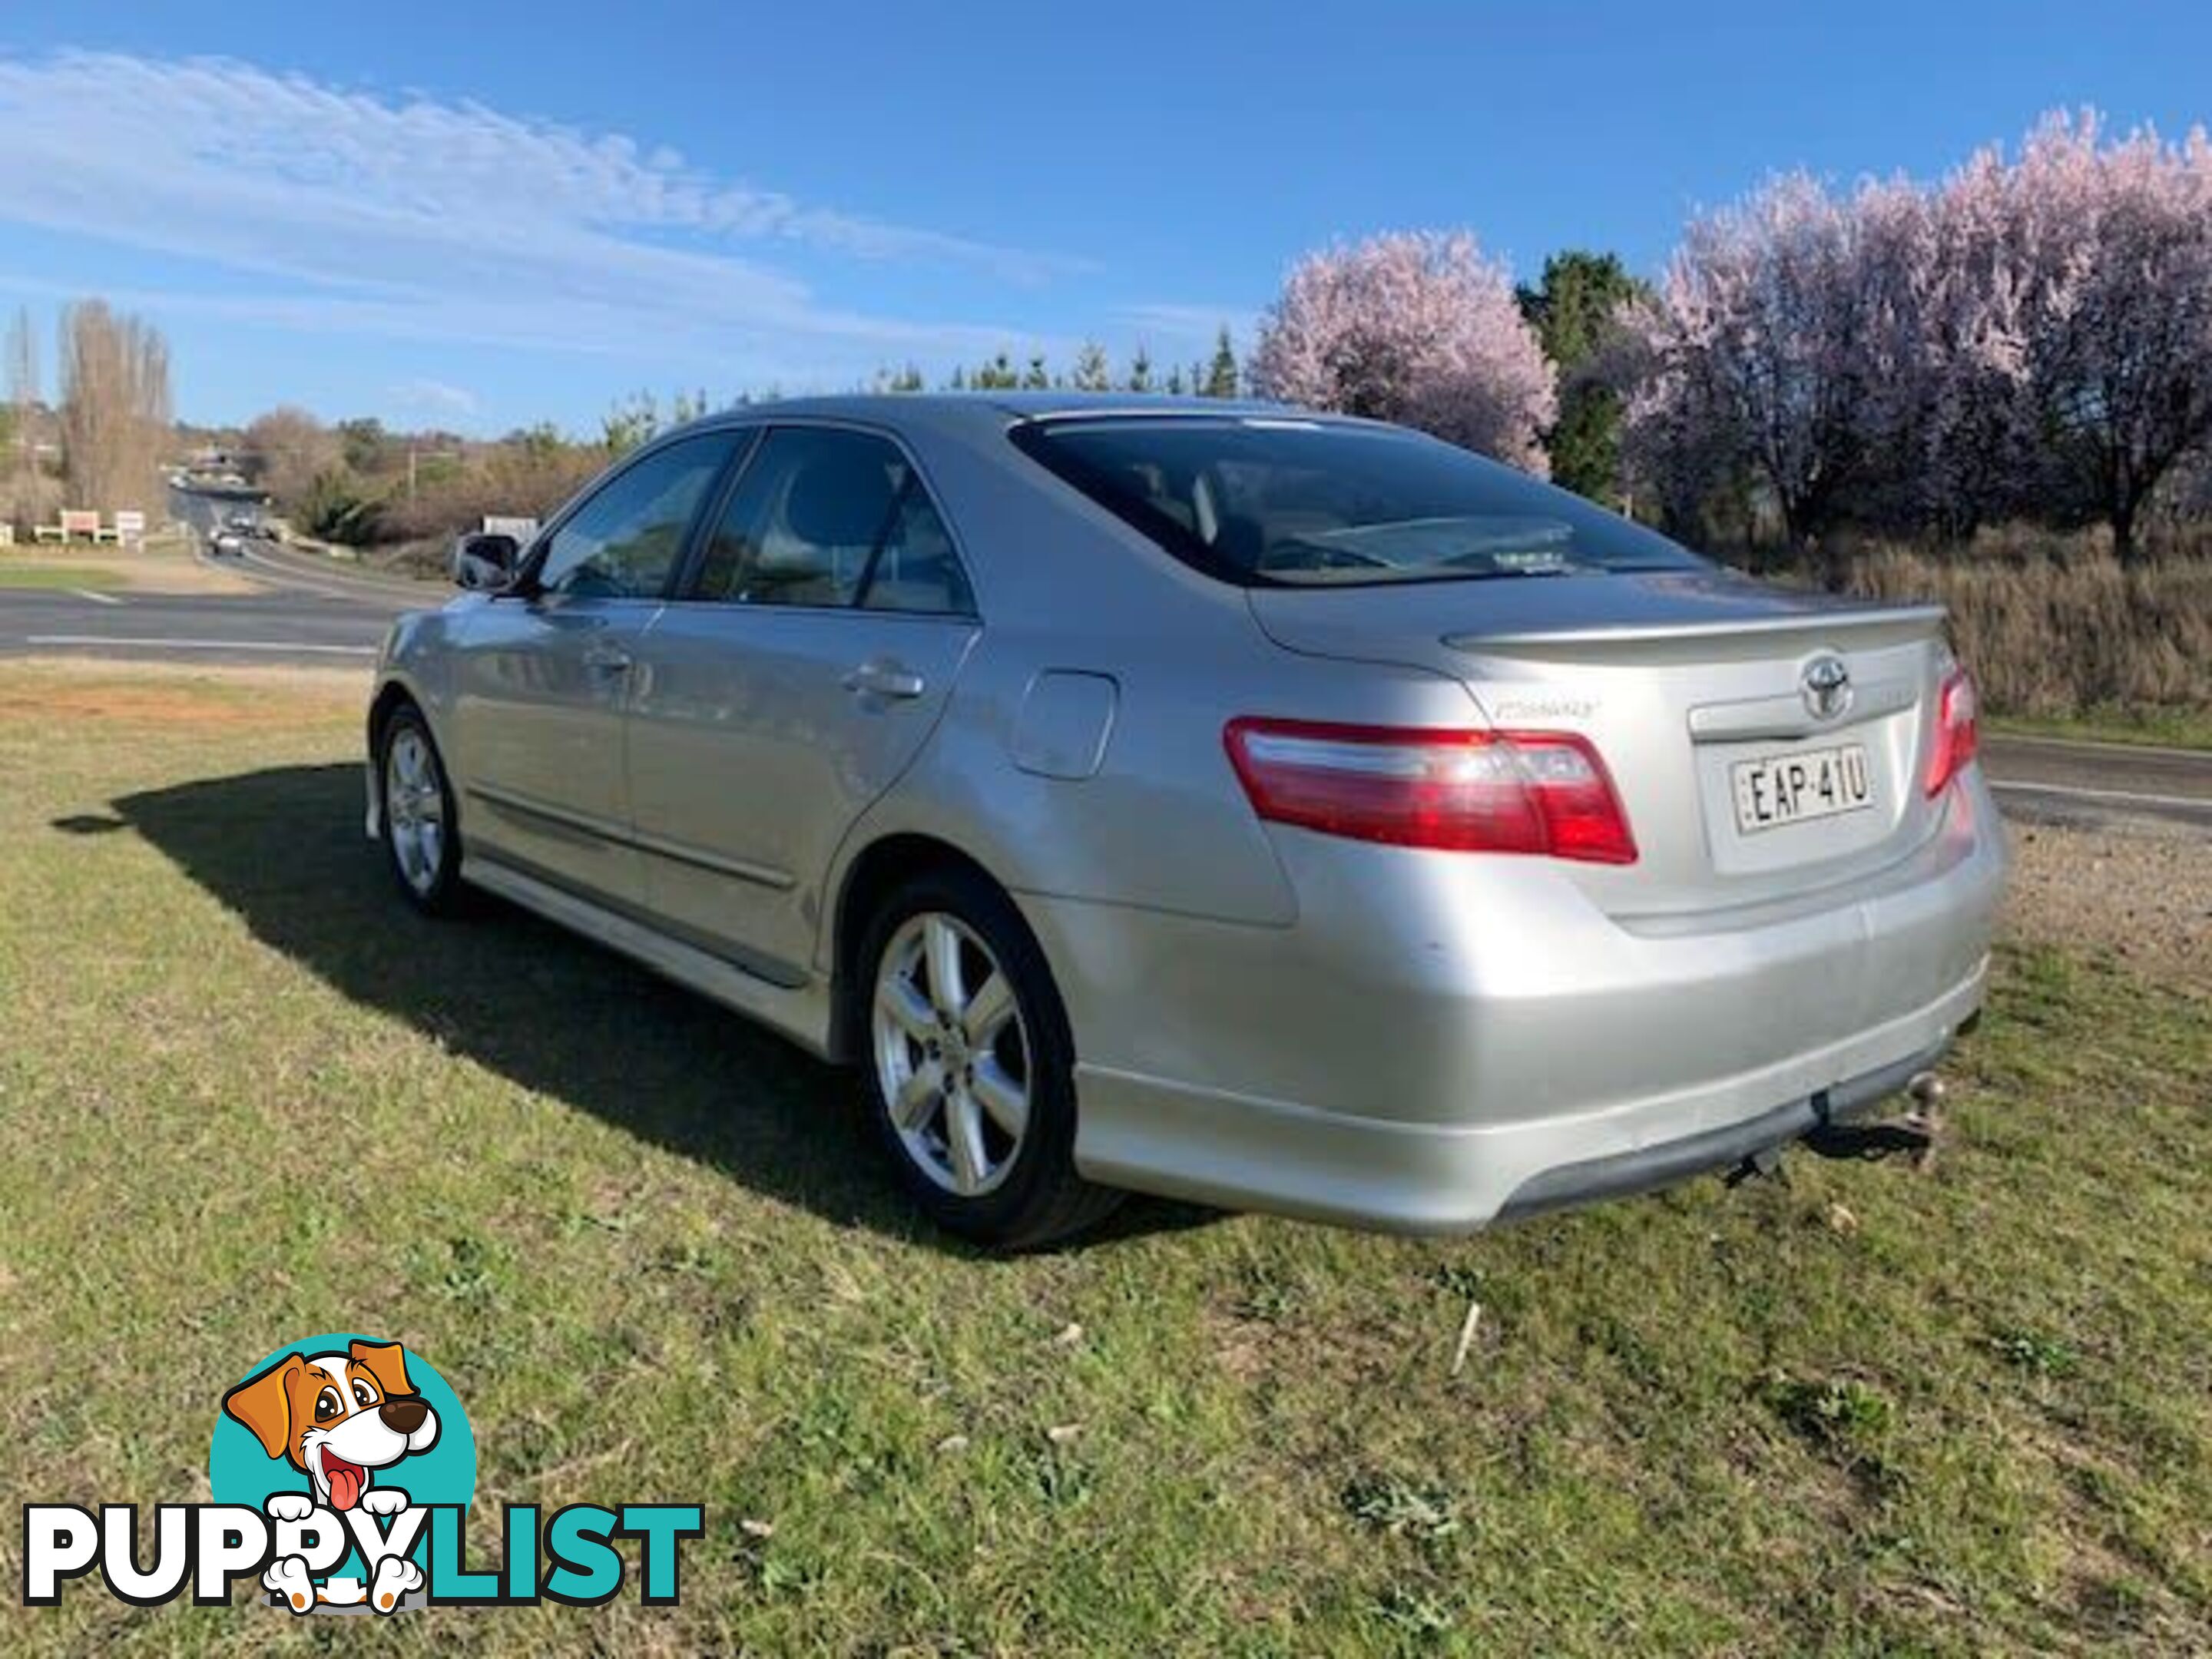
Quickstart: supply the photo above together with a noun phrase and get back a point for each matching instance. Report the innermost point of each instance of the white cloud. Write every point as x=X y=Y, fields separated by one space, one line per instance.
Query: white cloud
x=416 y=219
x=435 y=398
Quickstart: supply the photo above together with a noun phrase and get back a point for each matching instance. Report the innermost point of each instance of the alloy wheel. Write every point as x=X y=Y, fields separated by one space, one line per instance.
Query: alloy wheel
x=952 y=1053
x=414 y=810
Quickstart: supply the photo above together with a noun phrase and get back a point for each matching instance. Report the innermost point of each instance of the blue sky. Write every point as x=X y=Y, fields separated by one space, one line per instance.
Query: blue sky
x=479 y=215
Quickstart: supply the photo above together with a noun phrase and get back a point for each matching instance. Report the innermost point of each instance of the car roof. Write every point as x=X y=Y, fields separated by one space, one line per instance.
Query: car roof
x=969 y=409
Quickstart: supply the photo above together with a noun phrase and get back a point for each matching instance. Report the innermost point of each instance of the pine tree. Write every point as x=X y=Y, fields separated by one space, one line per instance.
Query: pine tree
x=1140 y=371
x=1091 y=373
x=1221 y=375
x=1573 y=311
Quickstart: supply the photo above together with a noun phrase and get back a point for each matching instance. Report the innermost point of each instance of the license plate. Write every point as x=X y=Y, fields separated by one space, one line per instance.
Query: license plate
x=1812 y=783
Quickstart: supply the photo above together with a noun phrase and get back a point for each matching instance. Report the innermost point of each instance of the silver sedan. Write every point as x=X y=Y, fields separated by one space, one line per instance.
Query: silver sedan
x=1221 y=800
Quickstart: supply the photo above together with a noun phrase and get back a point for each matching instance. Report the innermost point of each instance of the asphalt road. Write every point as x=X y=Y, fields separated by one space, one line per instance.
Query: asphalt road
x=306 y=613
x=291 y=571
x=279 y=627
x=310 y=613
x=2054 y=780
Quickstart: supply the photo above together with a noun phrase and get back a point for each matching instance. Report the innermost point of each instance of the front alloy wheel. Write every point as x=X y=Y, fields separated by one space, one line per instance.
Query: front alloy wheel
x=418 y=816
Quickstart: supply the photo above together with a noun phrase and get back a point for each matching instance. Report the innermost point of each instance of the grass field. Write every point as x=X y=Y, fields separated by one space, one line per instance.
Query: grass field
x=245 y=1097
x=97 y=578
x=166 y=563
x=2176 y=728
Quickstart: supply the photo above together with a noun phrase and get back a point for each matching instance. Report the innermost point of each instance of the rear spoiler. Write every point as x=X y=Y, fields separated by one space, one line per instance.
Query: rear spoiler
x=1864 y=625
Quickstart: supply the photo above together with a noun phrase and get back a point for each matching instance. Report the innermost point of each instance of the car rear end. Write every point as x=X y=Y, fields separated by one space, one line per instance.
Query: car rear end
x=1670 y=867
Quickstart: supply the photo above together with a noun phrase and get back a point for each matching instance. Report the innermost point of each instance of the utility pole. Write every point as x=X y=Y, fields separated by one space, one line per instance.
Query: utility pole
x=436 y=454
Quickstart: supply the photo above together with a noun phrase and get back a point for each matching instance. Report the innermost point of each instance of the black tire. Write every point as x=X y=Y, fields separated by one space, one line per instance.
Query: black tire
x=1040 y=1200
x=434 y=889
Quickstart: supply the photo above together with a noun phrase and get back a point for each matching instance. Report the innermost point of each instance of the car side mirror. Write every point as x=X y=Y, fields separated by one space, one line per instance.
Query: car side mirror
x=485 y=561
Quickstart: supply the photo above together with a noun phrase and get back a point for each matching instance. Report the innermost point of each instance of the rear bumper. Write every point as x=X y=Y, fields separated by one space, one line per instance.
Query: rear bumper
x=1244 y=1153
x=1435 y=1044
x=1642 y=1169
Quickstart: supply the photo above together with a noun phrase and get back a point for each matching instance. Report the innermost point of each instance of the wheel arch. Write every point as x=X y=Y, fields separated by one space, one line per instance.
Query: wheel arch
x=390 y=697
x=873 y=873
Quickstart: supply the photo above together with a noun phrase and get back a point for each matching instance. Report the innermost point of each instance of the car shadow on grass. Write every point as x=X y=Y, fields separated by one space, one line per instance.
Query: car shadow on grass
x=282 y=847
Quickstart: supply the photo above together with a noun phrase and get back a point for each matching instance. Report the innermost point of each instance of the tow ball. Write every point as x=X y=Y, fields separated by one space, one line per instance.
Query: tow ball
x=1913 y=1134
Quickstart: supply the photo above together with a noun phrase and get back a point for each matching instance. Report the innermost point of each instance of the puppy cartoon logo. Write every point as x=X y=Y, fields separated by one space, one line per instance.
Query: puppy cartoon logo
x=339 y=1418
x=343 y=1441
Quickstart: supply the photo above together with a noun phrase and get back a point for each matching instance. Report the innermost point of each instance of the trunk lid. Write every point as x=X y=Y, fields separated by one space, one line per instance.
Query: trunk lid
x=1750 y=775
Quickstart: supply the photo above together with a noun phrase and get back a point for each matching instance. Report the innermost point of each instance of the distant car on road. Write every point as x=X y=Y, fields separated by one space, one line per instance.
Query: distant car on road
x=228 y=542
x=1260 y=807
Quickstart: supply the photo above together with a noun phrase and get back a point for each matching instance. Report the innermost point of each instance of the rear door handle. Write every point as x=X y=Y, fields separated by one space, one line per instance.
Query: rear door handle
x=607 y=660
x=884 y=677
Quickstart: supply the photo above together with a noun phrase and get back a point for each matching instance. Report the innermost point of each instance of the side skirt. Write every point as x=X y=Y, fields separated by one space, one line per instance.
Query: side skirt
x=800 y=1012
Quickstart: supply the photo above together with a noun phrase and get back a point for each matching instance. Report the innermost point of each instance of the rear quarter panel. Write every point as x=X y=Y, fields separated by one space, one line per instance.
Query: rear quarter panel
x=1162 y=823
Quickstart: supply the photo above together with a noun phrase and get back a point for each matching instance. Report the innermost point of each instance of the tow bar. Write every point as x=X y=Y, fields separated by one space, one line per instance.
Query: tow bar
x=1913 y=1134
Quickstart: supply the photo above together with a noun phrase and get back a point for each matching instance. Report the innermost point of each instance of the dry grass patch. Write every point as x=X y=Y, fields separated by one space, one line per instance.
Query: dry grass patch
x=137 y=705
x=179 y=694
x=2065 y=636
x=167 y=565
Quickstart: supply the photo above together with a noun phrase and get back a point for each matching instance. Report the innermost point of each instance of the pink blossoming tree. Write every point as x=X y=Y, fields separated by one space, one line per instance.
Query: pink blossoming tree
x=2027 y=337
x=1758 y=348
x=2114 y=241
x=1417 y=327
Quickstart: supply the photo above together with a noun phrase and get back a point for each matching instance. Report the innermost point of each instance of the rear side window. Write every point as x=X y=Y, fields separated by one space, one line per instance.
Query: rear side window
x=826 y=518
x=1264 y=501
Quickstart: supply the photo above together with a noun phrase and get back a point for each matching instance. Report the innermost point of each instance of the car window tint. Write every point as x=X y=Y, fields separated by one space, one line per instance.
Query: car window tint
x=622 y=542
x=916 y=569
x=1281 y=500
x=831 y=519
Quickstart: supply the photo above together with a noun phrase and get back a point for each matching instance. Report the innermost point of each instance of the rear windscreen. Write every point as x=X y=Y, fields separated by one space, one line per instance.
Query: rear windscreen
x=1291 y=502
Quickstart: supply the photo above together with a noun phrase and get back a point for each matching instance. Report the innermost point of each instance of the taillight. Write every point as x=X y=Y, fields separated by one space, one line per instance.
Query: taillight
x=1470 y=792
x=1958 y=731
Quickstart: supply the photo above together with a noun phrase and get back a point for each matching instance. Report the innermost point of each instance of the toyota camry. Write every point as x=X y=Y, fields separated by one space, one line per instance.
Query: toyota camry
x=1264 y=808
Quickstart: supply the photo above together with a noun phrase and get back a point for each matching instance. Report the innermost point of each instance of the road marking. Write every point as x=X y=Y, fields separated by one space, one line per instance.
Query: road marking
x=344 y=580
x=96 y=598
x=296 y=580
x=2204 y=803
x=198 y=645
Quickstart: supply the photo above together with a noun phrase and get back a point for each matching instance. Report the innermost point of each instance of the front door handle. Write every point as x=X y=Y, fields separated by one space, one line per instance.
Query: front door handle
x=607 y=660
x=884 y=677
